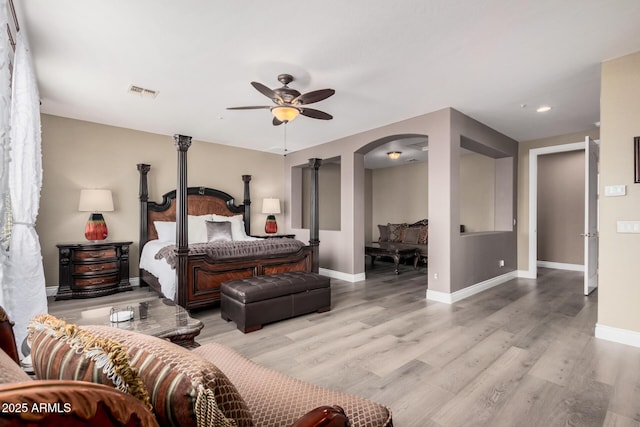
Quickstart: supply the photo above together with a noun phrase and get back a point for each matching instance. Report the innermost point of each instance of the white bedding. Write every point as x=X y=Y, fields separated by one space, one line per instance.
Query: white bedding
x=159 y=267
x=197 y=233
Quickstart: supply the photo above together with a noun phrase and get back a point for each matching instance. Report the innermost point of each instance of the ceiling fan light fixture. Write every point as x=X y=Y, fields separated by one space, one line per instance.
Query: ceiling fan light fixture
x=285 y=113
x=394 y=155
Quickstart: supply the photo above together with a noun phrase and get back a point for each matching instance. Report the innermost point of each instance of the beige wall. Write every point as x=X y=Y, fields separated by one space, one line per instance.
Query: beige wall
x=619 y=292
x=561 y=207
x=477 y=192
x=78 y=154
x=523 y=184
x=399 y=194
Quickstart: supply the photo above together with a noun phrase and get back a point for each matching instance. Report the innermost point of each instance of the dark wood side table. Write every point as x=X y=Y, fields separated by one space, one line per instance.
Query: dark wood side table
x=276 y=236
x=375 y=250
x=92 y=269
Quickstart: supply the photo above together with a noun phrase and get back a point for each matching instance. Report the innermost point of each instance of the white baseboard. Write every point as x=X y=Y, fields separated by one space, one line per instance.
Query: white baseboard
x=526 y=274
x=622 y=336
x=342 y=276
x=470 y=290
x=560 y=266
x=53 y=290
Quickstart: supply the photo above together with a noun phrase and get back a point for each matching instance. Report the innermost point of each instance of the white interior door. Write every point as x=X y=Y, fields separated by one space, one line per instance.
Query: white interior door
x=591 y=155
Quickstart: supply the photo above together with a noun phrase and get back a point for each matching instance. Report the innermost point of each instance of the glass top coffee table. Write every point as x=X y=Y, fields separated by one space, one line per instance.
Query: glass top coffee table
x=159 y=317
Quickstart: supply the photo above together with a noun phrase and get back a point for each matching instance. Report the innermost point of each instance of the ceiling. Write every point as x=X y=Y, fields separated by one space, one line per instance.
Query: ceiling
x=494 y=60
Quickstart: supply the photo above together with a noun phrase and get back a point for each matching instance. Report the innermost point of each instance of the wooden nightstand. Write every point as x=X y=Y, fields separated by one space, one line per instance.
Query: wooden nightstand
x=93 y=269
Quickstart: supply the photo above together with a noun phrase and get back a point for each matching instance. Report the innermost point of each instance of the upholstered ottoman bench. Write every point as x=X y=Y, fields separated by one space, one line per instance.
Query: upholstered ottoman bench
x=257 y=300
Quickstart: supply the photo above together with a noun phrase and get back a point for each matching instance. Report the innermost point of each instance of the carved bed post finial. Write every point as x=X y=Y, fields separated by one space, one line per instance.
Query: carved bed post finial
x=143 y=195
x=314 y=234
x=144 y=189
x=247 y=204
x=182 y=143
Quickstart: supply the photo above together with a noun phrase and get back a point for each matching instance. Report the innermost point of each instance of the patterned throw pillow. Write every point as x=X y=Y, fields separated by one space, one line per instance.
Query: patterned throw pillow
x=384 y=233
x=423 y=236
x=60 y=350
x=411 y=235
x=396 y=231
x=185 y=389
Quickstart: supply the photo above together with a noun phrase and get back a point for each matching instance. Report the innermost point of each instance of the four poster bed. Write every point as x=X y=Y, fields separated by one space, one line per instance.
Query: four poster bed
x=191 y=274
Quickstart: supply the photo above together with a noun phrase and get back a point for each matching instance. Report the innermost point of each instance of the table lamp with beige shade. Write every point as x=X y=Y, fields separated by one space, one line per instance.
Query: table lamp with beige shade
x=95 y=201
x=271 y=206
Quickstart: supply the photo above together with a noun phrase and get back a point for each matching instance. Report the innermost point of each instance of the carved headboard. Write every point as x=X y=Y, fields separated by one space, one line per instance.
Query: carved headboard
x=200 y=201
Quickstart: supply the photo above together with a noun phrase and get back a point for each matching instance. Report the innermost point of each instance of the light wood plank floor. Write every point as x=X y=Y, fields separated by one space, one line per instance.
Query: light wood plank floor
x=520 y=354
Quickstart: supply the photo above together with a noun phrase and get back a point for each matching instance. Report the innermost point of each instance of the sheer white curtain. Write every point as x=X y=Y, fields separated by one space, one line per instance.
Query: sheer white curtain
x=25 y=274
x=5 y=108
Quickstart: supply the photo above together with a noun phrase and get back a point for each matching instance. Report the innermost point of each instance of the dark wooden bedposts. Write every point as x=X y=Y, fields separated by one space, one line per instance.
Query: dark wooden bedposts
x=182 y=144
x=247 y=204
x=314 y=235
x=144 y=200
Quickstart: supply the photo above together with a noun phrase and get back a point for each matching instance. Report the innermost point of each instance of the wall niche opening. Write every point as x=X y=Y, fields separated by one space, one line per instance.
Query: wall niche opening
x=485 y=188
x=329 y=185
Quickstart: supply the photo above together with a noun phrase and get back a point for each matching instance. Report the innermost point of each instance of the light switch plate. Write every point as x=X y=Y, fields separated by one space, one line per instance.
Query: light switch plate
x=628 y=226
x=615 y=190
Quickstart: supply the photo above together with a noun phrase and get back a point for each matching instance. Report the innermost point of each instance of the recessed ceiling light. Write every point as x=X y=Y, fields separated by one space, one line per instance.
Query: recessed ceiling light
x=543 y=109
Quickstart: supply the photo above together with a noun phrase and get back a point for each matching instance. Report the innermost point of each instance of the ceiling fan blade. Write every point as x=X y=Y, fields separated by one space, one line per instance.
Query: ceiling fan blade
x=314 y=96
x=253 y=107
x=315 y=114
x=267 y=92
x=276 y=122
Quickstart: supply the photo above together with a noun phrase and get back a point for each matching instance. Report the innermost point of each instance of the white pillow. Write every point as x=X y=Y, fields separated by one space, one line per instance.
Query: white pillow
x=237 y=226
x=197 y=228
x=166 y=230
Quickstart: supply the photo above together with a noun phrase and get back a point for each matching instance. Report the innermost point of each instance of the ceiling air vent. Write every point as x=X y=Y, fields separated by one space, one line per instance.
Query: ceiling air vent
x=142 y=92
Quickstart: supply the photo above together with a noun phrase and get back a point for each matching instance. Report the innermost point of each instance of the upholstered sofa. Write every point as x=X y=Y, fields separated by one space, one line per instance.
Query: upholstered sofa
x=209 y=386
x=405 y=235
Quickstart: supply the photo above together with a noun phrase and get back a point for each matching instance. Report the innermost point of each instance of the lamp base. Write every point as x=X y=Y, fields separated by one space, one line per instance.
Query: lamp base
x=96 y=228
x=271 y=226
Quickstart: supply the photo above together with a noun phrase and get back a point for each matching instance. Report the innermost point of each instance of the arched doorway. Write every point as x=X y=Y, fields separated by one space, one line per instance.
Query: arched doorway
x=395 y=182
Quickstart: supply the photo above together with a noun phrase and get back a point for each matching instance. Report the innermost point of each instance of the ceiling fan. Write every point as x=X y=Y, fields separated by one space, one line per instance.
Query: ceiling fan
x=289 y=102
